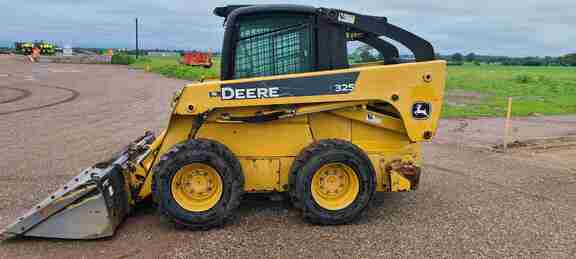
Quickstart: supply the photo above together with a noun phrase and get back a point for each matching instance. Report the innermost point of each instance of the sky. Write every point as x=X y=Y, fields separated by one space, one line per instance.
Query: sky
x=487 y=27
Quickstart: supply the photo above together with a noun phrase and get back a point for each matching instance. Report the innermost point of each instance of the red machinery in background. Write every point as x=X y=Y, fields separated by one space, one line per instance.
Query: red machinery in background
x=196 y=58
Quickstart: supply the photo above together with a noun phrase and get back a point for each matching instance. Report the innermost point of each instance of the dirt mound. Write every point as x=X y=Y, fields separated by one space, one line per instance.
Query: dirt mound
x=541 y=145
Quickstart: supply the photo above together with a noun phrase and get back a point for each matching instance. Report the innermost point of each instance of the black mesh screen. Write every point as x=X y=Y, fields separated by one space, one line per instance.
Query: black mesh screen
x=273 y=46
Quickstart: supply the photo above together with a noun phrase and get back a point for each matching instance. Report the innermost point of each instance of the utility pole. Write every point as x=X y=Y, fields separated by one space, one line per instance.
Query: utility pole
x=137 y=49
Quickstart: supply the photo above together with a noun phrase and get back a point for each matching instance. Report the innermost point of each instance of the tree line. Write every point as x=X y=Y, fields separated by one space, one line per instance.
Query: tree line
x=365 y=53
x=460 y=59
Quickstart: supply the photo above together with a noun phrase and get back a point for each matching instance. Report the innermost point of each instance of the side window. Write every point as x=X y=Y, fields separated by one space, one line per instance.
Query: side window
x=273 y=45
x=362 y=53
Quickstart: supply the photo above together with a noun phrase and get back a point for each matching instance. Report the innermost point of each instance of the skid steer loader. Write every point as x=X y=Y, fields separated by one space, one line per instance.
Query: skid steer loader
x=290 y=115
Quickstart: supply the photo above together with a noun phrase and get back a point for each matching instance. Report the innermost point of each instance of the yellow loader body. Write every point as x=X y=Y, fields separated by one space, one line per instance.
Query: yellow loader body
x=266 y=150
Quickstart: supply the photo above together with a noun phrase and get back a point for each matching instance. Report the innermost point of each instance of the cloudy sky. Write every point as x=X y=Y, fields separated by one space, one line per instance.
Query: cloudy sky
x=493 y=27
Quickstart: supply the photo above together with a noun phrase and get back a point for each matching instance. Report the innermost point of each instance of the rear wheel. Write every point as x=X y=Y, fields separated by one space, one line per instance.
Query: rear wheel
x=198 y=184
x=335 y=186
x=332 y=182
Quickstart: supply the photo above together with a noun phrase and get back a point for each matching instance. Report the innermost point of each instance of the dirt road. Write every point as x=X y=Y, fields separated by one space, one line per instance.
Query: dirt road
x=57 y=119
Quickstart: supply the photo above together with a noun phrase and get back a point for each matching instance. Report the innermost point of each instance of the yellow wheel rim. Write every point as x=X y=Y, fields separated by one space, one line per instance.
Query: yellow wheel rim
x=197 y=187
x=335 y=186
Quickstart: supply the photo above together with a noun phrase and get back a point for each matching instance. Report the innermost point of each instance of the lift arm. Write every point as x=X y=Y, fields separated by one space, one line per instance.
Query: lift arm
x=379 y=26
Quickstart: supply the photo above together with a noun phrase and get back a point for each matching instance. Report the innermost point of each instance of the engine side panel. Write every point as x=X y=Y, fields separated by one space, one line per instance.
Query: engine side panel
x=325 y=125
x=281 y=138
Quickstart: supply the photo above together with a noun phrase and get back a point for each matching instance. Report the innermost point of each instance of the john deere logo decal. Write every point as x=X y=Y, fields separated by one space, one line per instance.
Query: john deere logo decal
x=229 y=93
x=421 y=110
x=300 y=86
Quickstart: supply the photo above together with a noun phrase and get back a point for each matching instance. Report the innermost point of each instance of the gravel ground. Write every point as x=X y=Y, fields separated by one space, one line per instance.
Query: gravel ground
x=472 y=202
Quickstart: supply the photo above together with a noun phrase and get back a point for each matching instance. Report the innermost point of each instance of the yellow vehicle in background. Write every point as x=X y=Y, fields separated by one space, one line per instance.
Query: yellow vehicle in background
x=27 y=48
x=24 y=48
x=45 y=48
x=290 y=115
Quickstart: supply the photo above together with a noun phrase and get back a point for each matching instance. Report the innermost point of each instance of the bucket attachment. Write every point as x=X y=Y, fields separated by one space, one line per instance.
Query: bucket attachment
x=90 y=206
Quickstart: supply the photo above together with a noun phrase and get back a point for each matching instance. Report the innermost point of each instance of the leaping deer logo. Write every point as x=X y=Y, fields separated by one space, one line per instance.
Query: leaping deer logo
x=421 y=110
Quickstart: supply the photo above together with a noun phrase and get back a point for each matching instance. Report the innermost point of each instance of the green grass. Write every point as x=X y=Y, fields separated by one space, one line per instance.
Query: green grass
x=170 y=67
x=535 y=90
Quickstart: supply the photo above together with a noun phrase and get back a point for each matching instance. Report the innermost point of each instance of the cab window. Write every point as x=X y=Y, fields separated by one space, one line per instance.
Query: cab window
x=273 y=45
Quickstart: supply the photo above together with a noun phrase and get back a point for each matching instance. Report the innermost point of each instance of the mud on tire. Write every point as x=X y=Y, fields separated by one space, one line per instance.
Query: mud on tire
x=207 y=152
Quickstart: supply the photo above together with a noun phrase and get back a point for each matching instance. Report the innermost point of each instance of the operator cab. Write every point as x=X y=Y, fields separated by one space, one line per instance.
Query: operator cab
x=269 y=40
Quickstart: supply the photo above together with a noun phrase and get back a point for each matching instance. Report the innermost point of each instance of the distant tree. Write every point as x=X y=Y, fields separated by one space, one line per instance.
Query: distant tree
x=508 y=62
x=532 y=61
x=471 y=57
x=569 y=59
x=548 y=61
x=457 y=57
x=553 y=61
x=365 y=54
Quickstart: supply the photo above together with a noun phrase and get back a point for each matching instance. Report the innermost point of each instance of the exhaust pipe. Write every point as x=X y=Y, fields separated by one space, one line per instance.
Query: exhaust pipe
x=90 y=206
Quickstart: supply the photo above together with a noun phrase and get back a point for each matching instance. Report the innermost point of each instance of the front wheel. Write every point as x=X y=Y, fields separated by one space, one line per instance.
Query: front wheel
x=332 y=182
x=198 y=184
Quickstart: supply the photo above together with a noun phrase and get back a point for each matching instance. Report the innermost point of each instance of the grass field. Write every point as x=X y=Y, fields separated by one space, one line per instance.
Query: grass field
x=471 y=91
x=170 y=67
x=474 y=91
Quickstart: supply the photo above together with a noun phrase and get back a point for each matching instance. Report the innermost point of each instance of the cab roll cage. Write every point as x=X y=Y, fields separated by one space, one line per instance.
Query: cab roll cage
x=364 y=28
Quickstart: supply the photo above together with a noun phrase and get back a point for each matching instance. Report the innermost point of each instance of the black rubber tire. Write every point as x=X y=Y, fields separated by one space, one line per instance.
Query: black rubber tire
x=315 y=156
x=204 y=151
